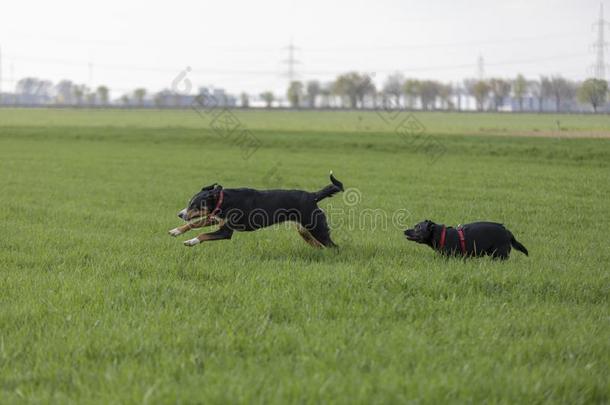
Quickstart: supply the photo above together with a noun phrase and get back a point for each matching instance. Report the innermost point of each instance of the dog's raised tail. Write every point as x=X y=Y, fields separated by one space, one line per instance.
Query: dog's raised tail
x=333 y=188
x=517 y=245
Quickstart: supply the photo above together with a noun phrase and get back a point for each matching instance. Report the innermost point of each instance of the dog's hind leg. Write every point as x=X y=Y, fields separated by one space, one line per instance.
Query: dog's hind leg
x=307 y=236
x=501 y=254
x=322 y=234
x=319 y=229
x=220 y=234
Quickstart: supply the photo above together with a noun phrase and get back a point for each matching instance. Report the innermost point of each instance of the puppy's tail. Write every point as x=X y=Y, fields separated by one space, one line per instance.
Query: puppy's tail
x=329 y=190
x=515 y=243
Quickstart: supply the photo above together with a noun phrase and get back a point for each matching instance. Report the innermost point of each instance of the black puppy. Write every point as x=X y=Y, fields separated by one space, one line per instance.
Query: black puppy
x=246 y=209
x=475 y=239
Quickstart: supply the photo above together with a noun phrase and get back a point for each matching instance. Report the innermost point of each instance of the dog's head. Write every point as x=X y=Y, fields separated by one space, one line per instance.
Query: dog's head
x=202 y=203
x=422 y=232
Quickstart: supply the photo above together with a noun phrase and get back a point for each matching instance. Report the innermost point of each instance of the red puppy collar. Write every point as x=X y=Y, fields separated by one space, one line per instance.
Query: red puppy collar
x=441 y=244
x=218 y=203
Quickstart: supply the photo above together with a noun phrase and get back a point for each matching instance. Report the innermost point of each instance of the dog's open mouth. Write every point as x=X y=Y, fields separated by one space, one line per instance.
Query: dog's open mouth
x=410 y=236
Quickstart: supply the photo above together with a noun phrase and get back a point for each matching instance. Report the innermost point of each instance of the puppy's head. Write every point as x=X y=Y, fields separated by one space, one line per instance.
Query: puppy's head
x=422 y=232
x=202 y=203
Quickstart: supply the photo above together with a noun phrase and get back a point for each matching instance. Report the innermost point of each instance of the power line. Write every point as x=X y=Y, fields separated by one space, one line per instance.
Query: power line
x=291 y=62
x=292 y=74
x=446 y=44
x=600 y=45
x=481 y=67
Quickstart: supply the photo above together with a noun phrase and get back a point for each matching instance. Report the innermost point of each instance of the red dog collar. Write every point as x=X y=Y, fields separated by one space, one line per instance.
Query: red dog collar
x=441 y=244
x=218 y=203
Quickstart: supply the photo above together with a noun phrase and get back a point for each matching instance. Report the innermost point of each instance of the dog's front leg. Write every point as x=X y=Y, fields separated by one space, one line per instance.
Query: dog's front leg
x=187 y=227
x=220 y=234
x=180 y=230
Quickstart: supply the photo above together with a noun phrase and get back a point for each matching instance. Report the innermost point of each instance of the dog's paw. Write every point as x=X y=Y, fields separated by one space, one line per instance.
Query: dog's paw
x=175 y=232
x=191 y=242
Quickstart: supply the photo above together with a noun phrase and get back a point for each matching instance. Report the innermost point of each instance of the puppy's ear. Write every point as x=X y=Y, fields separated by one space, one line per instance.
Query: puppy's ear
x=208 y=188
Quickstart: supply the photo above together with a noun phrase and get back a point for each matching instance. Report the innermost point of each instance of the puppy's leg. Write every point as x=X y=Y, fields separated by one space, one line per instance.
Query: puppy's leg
x=500 y=254
x=220 y=234
x=306 y=235
x=180 y=230
x=187 y=227
x=318 y=229
x=321 y=233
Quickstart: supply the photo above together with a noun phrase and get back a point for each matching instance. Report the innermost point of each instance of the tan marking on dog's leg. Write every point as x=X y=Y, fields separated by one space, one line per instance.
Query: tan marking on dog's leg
x=205 y=237
x=308 y=237
x=180 y=230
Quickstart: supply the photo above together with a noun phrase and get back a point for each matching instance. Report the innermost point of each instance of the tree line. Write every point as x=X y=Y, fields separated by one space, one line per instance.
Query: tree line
x=356 y=90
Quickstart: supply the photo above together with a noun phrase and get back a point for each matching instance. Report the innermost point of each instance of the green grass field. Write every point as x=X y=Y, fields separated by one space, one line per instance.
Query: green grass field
x=99 y=305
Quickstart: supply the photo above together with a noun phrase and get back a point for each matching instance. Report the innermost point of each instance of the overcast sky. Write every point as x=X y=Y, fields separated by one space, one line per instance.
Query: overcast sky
x=239 y=45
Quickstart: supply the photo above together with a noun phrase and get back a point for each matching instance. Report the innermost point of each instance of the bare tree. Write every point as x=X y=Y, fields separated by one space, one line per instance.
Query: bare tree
x=268 y=98
x=594 y=92
x=445 y=94
x=535 y=88
x=500 y=89
x=245 y=100
x=546 y=90
x=346 y=86
x=65 y=92
x=364 y=87
x=33 y=91
x=520 y=86
x=91 y=98
x=79 y=91
x=479 y=89
x=102 y=92
x=393 y=87
x=429 y=90
x=295 y=94
x=561 y=90
x=313 y=91
x=326 y=92
x=411 y=88
x=139 y=95
x=159 y=99
x=354 y=87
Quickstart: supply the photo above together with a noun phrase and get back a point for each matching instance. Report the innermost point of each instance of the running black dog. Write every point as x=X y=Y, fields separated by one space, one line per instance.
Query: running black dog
x=475 y=239
x=246 y=209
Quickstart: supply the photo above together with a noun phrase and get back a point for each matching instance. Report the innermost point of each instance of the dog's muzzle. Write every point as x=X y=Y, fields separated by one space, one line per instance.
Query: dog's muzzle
x=182 y=214
x=410 y=234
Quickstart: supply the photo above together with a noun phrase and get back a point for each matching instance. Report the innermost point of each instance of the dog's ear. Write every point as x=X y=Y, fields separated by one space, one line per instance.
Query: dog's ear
x=209 y=188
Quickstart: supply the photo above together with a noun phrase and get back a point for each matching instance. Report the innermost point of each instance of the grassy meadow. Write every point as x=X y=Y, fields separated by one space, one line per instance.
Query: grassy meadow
x=99 y=305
